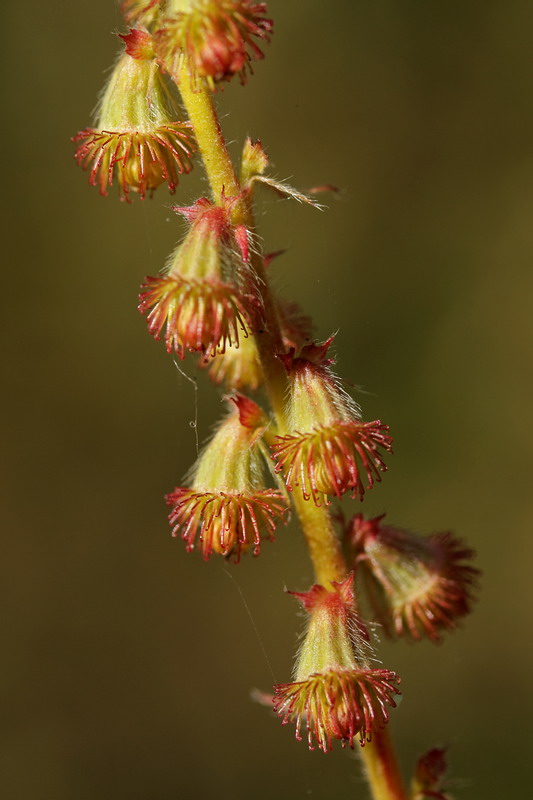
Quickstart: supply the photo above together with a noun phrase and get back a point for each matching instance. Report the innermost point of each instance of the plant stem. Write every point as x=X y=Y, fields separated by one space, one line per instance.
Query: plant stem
x=321 y=537
x=224 y=184
x=381 y=768
x=324 y=547
x=209 y=137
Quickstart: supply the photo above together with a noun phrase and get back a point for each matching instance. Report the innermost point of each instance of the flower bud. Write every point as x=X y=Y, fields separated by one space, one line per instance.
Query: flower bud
x=254 y=161
x=228 y=508
x=202 y=300
x=329 y=450
x=335 y=690
x=240 y=368
x=138 y=138
x=430 y=771
x=253 y=165
x=216 y=38
x=418 y=586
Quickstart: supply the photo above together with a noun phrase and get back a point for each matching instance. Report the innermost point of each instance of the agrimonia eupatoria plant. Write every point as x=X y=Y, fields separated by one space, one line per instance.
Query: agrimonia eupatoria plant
x=311 y=443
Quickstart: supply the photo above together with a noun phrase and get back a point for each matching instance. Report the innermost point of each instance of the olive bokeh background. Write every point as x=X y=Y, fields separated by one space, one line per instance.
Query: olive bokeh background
x=127 y=664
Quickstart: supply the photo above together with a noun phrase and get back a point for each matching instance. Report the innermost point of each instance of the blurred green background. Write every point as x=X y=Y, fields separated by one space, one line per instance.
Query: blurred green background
x=127 y=664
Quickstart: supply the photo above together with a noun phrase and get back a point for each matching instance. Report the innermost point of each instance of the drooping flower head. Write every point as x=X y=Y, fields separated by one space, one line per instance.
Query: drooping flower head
x=138 y=138
x=418 y=586
x=335 y=691
x=206 y=301
x=329 y=450
x=227 y=509
x=217 y=39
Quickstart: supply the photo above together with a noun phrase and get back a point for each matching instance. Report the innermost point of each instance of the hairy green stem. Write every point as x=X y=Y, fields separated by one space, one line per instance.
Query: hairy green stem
x=317 y=525
x=381 y=768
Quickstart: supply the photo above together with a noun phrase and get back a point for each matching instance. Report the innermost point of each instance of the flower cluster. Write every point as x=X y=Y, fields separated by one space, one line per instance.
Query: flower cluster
x=214 y=299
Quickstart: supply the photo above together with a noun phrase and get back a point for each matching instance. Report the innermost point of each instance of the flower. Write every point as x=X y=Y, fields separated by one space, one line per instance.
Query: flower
x=240 y=368
x=329 y=449
x=335 y=691
x=200 y=300
x=140 y=12
x=228 y=509
x=417 y=585
x=217 y=38
x=138 y=139
x=430 y=771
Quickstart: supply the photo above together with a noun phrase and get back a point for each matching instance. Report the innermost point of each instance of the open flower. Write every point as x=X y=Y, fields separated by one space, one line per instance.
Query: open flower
x=329 y=450
x=418 y=586
x=207 y=301
x=138 y=138
x=227 y=508
x=335 y=691
x=217 y=38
